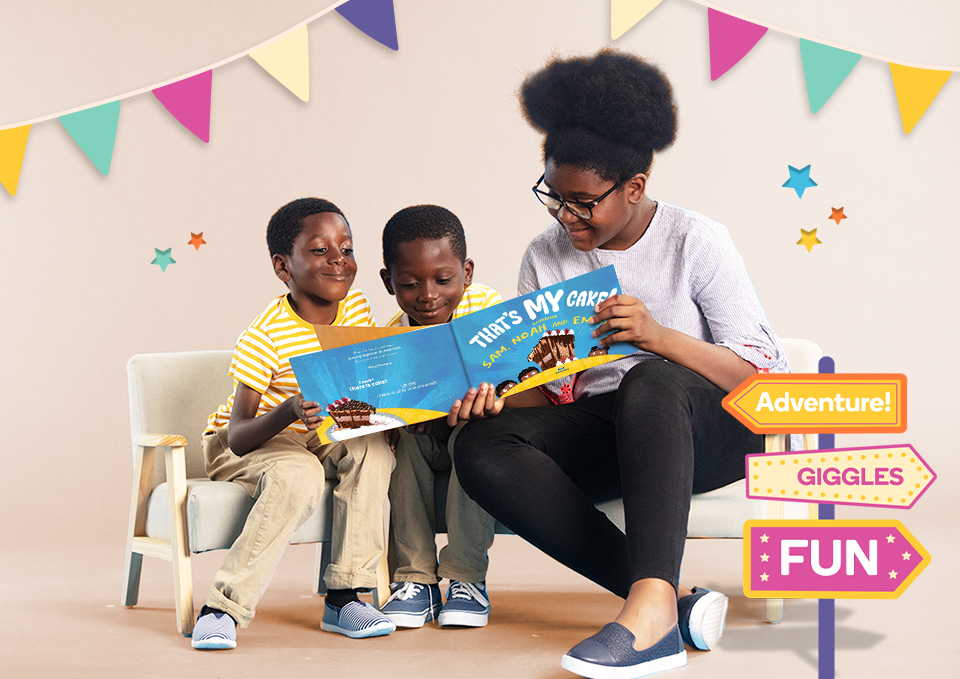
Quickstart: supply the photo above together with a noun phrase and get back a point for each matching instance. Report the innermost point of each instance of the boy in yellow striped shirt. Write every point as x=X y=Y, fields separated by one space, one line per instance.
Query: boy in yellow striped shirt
x=426 y=268
x=263 y=438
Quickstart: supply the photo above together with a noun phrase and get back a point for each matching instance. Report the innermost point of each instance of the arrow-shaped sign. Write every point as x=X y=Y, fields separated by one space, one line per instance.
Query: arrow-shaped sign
x=882 y=476
x=795 y=403
x=867 y=559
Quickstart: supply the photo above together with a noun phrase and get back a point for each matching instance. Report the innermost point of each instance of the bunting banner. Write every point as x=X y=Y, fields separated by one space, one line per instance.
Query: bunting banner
x=916 y=89
x=13 y=144
x=95 y=131
x=824 y=68
x=625 y=14
x=288 y=60
x=375 y=18
x=730 y=40
x=188 y=101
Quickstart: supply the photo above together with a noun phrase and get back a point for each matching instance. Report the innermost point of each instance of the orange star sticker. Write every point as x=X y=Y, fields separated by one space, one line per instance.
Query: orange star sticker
x=837 y=214
x=196 y=240
x=809 y=239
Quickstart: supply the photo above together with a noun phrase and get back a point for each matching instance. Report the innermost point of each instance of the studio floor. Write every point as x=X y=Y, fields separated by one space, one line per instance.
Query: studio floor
x=63 y=619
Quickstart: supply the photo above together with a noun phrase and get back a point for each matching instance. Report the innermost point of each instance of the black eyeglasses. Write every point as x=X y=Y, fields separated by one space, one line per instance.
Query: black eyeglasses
x=574 y=207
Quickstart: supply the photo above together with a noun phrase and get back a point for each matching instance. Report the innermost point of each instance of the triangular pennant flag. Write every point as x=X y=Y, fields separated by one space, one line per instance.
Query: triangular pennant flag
x=189 y=102
x=13 y=144
x=288 y=60
x=916 y=89
x=95 y=131
x=730 y=40
x=625 y=14
x=373 y=17
x=824 y=68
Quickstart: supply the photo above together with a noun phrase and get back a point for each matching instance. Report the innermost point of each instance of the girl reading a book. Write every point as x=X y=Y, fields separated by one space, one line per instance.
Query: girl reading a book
x=650 y=427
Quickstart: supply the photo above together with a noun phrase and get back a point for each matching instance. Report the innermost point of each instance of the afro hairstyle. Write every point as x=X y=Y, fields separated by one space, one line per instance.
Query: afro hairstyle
x=287 y=222
x=423 y=222
x=607 y=113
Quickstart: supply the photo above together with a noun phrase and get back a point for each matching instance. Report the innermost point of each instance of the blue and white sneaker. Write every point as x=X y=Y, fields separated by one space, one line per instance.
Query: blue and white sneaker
x=467 y=605
x=357 y=620
x=702 y=617
x=214 y=631
x=413 y=604
x=609 y=654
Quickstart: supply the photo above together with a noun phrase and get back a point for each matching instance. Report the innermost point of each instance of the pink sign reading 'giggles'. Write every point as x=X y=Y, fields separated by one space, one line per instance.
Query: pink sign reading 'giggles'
x=876 y=559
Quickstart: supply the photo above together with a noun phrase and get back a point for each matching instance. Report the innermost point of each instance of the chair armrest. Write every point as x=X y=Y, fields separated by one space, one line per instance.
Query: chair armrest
x=159 y=440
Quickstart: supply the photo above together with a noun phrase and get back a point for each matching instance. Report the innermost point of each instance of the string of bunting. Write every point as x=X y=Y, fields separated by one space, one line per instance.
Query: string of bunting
x=825 y=65
x=286 y=57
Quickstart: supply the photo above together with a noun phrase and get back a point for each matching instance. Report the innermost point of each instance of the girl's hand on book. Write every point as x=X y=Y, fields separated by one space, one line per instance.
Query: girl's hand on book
x=307 y=412
x=631 y=320
x=476 y=404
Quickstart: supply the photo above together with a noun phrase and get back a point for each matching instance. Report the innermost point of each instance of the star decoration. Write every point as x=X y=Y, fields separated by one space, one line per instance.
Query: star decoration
x=764 y=557
x=837 y=214
x=799 y=180
x=890 y=538
x=163 y=258
x=893 y=575
x=764 y=537
x=906 y=556
x=764 y=577
x=808 y=239
x=196 y=239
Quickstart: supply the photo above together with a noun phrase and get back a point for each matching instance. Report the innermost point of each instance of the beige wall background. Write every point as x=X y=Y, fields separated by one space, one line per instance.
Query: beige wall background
x=438 y=122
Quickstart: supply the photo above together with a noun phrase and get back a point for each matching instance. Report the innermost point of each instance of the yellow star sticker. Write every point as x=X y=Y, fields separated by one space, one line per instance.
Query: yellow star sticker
x=809 y=239
x=893 y=575
x=890 y=538
x=837 y=214
x=764 y=557
x=906 y=556
x=764 y=577
x=764 y=538
x=196 y=240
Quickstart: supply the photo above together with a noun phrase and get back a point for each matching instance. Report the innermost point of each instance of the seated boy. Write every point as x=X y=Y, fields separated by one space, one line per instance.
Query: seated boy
x=263 y=438
x=426 y=268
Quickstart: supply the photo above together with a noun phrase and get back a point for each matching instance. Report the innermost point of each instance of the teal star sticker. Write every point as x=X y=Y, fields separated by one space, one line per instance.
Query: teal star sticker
x=799 y=180
x=163 y=258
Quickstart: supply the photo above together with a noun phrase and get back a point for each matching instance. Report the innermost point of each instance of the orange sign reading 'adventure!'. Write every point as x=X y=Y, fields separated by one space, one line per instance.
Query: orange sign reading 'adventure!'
x=820 y=403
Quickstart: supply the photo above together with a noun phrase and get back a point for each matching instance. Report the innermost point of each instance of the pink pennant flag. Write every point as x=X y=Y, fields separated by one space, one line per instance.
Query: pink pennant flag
x=189 y=102
x=730 y=40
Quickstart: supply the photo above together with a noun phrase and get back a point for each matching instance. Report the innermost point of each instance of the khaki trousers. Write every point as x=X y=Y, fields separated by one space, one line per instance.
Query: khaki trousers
x=413 y=517
x=286 y=476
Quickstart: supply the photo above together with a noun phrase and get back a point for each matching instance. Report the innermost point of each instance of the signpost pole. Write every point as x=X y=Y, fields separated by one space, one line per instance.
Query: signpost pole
x=826 y=608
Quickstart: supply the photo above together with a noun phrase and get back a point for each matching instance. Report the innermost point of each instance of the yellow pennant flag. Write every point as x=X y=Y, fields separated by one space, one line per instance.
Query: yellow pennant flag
x=288 y=60
x=13 y=144
x=916 y=89
x=625 y=14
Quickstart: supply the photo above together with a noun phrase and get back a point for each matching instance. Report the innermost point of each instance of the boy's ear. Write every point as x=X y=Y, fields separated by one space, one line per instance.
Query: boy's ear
x=280 y=268
x=387 y=281
x=467 y=273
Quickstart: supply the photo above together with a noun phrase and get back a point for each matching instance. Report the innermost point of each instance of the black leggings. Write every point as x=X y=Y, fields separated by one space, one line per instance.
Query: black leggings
x=660 y=437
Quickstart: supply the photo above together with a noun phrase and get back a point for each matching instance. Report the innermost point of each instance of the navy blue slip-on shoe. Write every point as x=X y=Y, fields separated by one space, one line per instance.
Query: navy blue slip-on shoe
x=357 y=620
x=609 y=654
x=702 y=616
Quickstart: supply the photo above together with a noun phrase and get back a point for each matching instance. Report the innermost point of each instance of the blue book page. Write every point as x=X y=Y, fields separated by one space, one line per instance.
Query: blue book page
x=539 y=337
x=382 y=384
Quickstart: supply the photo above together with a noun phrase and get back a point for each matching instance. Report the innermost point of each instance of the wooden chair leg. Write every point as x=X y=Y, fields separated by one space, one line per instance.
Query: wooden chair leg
x=320 y=567
x=142 y=486
x=179 y=545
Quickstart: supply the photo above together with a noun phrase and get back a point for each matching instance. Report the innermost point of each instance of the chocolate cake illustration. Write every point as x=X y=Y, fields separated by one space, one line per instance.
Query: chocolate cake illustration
x=350 y=414
x=553 y=349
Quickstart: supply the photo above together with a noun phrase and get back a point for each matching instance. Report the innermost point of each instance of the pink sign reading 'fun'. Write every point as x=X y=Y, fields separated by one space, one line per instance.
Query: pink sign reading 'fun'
x=830 y=559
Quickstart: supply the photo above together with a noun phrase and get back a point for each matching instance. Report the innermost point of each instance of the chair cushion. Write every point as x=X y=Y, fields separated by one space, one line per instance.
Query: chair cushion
x=216 y=511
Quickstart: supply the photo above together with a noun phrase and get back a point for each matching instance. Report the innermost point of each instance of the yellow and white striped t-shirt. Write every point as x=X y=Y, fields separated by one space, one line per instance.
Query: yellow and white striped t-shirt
x=261 y=359
x=475 y=297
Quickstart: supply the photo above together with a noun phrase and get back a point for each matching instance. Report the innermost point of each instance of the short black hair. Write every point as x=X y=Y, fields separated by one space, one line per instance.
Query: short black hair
x=607 y=113
x=287 y=222
x=423 y=222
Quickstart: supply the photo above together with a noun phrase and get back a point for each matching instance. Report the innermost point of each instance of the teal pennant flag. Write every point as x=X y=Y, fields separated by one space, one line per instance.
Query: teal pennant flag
x=824 y=68
x=95 y=130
